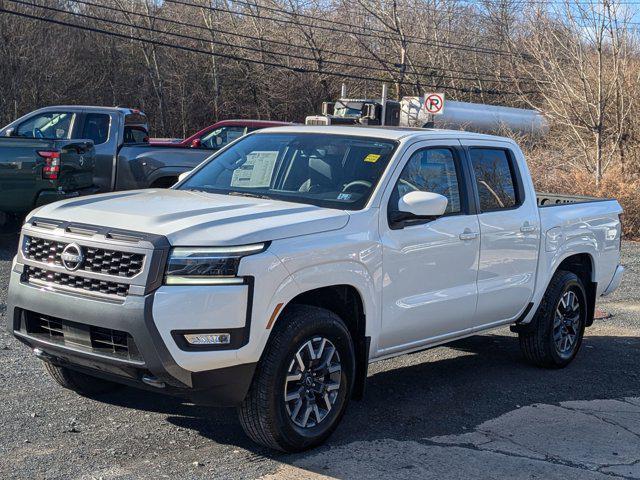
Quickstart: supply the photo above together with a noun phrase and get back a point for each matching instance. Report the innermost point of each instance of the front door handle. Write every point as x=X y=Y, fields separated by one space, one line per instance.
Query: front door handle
x=527 y=228
x=468 y=235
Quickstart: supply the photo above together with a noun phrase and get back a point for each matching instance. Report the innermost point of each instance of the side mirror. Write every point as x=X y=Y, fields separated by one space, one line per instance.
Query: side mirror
x=196 y=143
x=9 y=132
x=183 y=175
x=423 y=204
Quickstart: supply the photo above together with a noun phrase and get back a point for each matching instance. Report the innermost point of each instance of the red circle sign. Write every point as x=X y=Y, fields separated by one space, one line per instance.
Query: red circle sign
x=433 y=103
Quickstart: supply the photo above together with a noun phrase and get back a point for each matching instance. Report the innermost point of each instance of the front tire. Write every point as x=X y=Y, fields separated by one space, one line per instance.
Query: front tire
x=303 y=381
x=85 y=385
x=559 y=323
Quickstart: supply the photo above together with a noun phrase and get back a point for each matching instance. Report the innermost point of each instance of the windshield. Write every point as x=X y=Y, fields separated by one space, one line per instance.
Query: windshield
x=351 y=109
x=335 y=171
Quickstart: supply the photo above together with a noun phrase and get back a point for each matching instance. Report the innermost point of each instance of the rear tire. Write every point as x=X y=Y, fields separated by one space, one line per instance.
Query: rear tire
x=303 y=381
x=559 y=323
x=79 y=382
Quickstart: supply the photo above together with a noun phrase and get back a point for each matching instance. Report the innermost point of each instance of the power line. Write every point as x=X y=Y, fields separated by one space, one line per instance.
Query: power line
x=248 y=60
x=434 y=69
x=253 y=49
x=449 y=45
x=315 y=18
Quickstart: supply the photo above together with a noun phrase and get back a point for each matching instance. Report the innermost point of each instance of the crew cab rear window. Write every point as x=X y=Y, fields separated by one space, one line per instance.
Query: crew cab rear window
x=495 y=178
x=96 y=127
x=430 y=170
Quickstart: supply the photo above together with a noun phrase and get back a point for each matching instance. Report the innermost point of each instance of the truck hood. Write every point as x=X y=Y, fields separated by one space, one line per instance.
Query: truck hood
x=196 y=218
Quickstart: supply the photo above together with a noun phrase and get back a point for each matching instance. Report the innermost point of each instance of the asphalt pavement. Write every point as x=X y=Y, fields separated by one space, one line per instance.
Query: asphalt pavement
x=472 y=410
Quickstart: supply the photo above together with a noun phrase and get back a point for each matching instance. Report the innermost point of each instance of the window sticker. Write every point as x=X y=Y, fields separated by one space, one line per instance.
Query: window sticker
x=372 y=158
x=256 y=171
x=344 y=196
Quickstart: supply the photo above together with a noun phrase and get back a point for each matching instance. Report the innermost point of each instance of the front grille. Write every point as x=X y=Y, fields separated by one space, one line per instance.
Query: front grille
x=109 y=341
x=96 y=260
x=74 y=281
x=105 y=341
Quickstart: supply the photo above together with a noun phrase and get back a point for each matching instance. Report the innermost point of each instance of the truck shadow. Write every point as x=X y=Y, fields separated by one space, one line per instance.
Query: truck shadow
x=439 y=392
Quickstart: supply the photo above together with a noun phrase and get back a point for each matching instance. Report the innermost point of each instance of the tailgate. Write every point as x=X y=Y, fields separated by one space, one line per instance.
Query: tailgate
x=28 y=168
x=21 y=172
x=77 y=164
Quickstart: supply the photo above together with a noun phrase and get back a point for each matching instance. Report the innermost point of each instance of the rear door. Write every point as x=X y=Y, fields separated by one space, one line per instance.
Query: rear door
x=510 y=230
x=102 y=129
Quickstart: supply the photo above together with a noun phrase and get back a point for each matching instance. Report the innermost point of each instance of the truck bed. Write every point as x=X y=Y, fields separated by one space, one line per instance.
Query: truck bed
x=554 y=199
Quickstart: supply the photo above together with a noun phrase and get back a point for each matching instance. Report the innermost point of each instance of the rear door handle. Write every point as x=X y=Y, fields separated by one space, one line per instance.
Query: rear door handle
x=468 y=235
x=527 y=228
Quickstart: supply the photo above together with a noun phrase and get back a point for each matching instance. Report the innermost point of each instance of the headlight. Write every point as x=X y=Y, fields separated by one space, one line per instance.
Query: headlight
x=208 y=265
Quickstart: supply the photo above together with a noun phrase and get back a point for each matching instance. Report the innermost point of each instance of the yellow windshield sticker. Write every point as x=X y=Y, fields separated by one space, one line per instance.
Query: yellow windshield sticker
x=372 y=158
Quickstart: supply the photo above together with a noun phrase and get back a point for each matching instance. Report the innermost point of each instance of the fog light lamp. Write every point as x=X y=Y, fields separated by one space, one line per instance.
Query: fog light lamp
x=208 y=338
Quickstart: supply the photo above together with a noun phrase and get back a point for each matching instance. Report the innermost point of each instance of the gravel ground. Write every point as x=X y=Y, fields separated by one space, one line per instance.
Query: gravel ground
x=443 y=402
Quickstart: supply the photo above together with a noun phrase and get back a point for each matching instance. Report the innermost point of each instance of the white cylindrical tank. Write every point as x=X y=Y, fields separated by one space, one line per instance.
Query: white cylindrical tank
x=475 y=117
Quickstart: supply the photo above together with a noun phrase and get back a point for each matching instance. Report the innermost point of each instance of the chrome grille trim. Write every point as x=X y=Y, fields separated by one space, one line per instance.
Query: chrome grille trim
x=110 y=262
x=70 y=282
x=144 y=258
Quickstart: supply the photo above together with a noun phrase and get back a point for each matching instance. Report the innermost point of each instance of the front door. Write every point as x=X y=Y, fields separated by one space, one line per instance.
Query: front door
x=430 y=267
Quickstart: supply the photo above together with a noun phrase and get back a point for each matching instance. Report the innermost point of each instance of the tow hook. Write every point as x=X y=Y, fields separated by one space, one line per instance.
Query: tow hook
x=42 y=355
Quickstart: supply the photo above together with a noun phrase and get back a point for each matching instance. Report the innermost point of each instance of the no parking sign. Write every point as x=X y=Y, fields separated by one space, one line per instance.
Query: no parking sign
x=434 y=103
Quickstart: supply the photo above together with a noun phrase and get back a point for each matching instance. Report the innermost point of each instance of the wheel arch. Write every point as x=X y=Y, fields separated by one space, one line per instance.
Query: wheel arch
x=161 y=175
x=347 y=302
x=583 y=265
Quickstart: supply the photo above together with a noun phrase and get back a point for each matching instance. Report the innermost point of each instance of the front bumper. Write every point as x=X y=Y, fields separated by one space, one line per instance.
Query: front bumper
x=155 y=368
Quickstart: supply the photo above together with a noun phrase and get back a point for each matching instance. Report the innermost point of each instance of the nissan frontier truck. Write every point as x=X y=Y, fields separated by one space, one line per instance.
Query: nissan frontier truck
x=276 y=271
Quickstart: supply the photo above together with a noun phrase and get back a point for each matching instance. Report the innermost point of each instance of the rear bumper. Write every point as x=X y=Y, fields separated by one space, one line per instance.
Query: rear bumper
x=615 y=281
x=154 y=368
x=50 y=196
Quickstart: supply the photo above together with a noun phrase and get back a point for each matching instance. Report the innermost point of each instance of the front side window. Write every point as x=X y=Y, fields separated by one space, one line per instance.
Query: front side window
x=50 y=125
x=430 y=170
x=494 y=178
x=96 y=127
x=220 y=137
x=334 y=171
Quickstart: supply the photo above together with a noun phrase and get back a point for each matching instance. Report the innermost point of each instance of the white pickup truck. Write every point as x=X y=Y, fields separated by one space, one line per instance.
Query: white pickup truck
x=274 y=273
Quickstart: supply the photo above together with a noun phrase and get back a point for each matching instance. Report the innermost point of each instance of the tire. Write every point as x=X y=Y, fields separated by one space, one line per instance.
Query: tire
x=545 y=345
x=79 y=382
x=265 y=414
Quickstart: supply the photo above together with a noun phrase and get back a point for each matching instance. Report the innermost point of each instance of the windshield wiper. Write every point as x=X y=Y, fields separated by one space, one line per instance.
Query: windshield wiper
x=248 y=194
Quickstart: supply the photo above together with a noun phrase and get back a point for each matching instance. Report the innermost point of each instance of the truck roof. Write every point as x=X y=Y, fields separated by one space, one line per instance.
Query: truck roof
x=389 y=133
x=94 y=108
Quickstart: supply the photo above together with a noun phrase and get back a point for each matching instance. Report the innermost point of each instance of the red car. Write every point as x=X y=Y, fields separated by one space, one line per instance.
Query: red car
x=219 y=134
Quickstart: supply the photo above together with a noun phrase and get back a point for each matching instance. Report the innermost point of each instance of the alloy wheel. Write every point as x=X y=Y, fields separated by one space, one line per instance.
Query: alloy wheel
x=313 y=382
x=566 y=323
